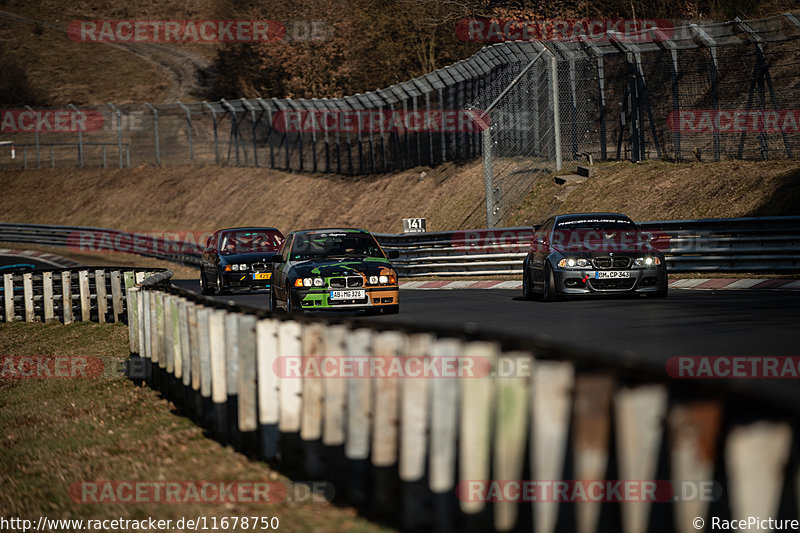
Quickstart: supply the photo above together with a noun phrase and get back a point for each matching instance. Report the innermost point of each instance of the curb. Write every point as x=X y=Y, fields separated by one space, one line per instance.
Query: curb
x=692 y=284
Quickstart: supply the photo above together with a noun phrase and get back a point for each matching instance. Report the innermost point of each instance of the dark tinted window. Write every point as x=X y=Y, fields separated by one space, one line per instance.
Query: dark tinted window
x=334 y=244
x=245 y=241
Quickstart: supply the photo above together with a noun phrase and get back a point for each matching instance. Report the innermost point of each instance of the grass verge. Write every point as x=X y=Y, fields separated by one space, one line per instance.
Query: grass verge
x=59 y=431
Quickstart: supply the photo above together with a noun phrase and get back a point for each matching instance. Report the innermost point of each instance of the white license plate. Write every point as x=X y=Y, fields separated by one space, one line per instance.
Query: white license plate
x=612 y=274
x=359 y=294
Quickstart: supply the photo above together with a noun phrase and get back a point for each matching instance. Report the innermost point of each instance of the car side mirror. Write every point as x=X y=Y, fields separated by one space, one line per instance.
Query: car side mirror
x=393 y=254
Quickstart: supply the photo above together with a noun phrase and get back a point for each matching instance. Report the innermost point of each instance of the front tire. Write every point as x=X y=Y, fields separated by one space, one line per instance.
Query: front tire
x=204 y=284
x=220 y=285
x=549 y=288
x=527 y=293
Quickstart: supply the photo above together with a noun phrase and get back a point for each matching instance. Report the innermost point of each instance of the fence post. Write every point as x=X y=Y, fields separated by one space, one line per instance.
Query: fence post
x=8 y=296
x=188 y=129
x=216 y=137
x=234 y=130
x=155 y=132
x=66 y=296
x=86 y=303
x=119 y=132
x=556 y=111
x=252 y=110
x=100 y=288
x=36 y=135
x=27 y=295
x=80 y=139
x=714 y=73
x=47 y=296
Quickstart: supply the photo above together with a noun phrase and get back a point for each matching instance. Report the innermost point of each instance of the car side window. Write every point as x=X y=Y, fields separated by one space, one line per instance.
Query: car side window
x=211 y=245
x=285 y=247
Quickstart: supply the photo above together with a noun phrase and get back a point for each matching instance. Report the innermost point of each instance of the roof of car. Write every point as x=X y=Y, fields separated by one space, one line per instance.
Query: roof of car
x=248 y=228
x=331 y=230
x=572 y=216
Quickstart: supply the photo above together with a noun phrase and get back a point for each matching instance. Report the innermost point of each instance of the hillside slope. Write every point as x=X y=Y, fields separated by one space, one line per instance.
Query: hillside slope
x=449 y=196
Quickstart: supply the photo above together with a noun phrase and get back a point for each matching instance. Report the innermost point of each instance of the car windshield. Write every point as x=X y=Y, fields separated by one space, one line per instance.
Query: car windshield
x=596 y=224
x=239 y=242
x=580 y=230
x=334 y=244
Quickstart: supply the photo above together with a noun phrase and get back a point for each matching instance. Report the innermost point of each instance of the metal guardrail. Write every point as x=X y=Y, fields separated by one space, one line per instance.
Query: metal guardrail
x=102 y=239
x=763 y=244
x=412 y=446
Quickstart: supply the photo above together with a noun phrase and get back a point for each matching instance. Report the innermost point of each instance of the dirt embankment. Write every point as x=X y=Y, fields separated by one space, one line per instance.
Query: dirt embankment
x=450 y=196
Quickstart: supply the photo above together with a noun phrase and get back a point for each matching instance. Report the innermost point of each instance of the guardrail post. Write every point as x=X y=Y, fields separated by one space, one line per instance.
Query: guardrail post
x=359 y=413
x=414 y=405
x=639 y=420
x=314 y=346
x=183 y=361
x=86 y=303
x=552 y=388
x=268 y=385
x=694 y=433
x=232 y=377
x=217 y=378
x=155 y=132
x=27 y=295
x=8 y=297
x=66 y=296
x=591 y=425
x=291 y=400
x=512 y=407
x=116 y=295
x=476 y=418
x=102 y=301
x=388 y=345
x=47 y=296
x=248 y=402
x=442 y=450
x=756 y=455
x=132 y=295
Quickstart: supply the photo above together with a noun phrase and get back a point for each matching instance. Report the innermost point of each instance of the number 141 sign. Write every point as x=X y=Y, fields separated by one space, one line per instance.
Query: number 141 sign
x=414 y=225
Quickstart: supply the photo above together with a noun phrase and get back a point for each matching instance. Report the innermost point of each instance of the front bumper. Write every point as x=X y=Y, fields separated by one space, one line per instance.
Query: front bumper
x=319 y=298
x=585 y=281
x=245 y=280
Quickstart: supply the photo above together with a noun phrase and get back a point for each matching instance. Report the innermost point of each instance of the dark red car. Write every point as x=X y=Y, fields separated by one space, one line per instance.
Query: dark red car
x=239 y=259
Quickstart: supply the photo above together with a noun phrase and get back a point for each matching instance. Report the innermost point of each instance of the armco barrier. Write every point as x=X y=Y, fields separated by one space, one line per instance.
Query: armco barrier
x=763 y=244
x=85 y=294
x=409 y=446
x=182 y=253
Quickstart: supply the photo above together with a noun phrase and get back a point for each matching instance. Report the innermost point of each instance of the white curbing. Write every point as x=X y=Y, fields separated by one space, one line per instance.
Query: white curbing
x=687 y=284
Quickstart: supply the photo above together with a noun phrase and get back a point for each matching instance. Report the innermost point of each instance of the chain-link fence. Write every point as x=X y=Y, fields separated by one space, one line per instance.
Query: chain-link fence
x=707 y=93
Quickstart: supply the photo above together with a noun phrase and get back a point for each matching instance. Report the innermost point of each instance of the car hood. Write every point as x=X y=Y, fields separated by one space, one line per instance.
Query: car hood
x=250 y=257
x=340 y=267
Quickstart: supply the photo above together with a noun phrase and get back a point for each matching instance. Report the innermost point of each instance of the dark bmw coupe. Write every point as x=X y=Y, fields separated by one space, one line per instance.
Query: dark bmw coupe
x=239 y=259
x=592 y=254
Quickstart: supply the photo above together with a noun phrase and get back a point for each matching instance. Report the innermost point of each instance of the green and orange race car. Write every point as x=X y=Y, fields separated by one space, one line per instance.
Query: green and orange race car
x=333 y=269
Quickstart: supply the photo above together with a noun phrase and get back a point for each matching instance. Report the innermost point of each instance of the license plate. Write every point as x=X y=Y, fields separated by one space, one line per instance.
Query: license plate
x=349 y=295
x=612 y=274
x=262 y=275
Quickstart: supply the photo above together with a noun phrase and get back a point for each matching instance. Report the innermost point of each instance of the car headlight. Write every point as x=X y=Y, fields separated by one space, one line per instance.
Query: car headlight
x=569 y=262
x=318 y=282
x=383 y=279
x=242 y=267
x=235 y=267
x=373 y=280
x=647 y=261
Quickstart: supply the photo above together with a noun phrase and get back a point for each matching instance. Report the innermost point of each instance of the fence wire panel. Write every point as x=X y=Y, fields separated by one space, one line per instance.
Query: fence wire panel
x=714 y=92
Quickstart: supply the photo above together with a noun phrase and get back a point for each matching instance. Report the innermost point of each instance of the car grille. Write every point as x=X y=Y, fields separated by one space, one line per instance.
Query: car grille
x=621 y=284
x=259 y=267
x=619 y=261
x=349 y=282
